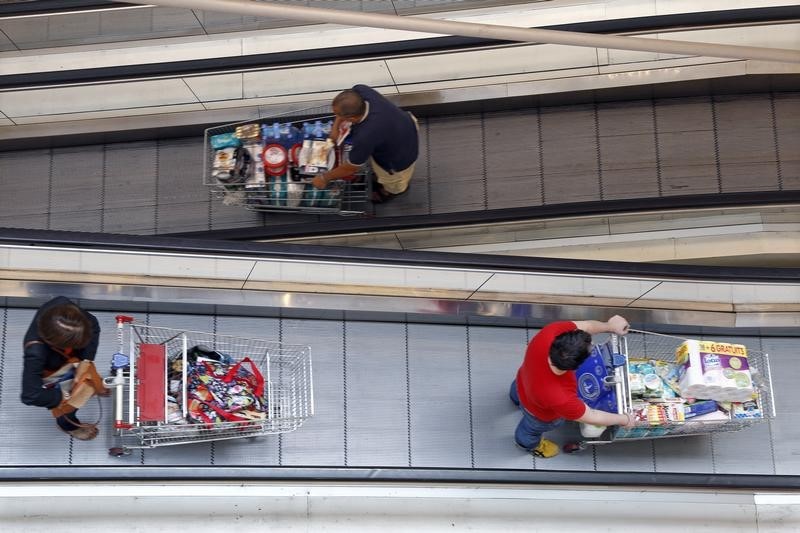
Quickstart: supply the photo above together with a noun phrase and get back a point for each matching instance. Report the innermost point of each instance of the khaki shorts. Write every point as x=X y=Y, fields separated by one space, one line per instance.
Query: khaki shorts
x=397 y=182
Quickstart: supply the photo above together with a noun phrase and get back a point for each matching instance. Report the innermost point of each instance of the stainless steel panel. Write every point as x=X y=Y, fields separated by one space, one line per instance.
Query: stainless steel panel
x=441 y=430
x=322 y=78
x=512 y=154
x=328 y=446
x=218 y=87
x=495 y=355
x=492 y=62
x=26 y=178
x=77 y=180
x=783 y=431
x=583 y=286
x=376 y=398
x=456 y=164
x=35 y=438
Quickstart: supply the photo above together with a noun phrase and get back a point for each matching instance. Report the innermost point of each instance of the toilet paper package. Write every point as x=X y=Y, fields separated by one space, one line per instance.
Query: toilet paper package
x=714 y=371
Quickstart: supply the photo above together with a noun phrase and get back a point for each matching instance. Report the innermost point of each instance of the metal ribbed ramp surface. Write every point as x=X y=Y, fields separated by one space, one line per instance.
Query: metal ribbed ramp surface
x=396 y=395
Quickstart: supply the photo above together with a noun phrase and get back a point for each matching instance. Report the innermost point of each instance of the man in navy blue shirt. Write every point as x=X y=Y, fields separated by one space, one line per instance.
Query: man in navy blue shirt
x=380 y=133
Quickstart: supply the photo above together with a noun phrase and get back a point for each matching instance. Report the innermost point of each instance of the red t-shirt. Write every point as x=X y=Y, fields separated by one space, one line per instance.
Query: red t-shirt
x=546 y=395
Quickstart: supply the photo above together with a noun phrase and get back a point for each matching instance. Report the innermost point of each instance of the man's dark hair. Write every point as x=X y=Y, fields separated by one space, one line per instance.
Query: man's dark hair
x=350 y=104
x=570 y=349
x=64 y=326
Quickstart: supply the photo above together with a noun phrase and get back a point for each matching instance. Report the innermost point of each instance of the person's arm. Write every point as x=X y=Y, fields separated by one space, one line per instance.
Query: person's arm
x=321 y=181
x=32 y=391
x=615 y=324
x=90 y=350
x=602 y=418
x=337 y=123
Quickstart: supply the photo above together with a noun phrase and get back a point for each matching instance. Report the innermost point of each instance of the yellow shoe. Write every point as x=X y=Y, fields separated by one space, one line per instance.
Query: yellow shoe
x=546 y=449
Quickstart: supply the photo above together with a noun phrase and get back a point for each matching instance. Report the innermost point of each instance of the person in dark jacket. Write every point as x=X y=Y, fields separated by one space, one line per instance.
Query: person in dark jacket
x=60 y=333
x=382 y=134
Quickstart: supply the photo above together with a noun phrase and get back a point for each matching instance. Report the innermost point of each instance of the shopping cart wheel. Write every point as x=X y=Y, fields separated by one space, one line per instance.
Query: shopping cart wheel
x=574 y=447
x=118 y=452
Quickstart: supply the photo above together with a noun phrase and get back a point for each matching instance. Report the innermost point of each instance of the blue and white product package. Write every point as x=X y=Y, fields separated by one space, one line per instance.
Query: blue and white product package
x=225 y=140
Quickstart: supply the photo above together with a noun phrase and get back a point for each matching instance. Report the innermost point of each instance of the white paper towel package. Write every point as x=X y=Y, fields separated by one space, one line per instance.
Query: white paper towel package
x=714 y=371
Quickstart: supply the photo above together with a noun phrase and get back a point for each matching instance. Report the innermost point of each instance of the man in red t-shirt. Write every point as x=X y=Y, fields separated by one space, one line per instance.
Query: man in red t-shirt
x=546 y=389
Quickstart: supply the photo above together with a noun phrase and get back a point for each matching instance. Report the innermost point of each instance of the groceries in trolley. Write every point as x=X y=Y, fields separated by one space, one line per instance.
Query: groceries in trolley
x=218 y=389
x=672 y=386
x=173 y=386
x=664 y=397
x=715 y=371
x=274 y=163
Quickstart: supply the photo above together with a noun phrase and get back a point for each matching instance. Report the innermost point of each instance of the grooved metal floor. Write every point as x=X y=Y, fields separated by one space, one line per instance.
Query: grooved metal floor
x=396 y=395
x=528 y=157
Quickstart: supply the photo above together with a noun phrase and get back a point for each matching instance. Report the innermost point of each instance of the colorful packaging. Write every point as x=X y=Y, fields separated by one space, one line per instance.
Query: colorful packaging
x=653 y=386
x=747 y=410
x=224 y=140
x=714 y=371
x=669 y=373
x=699 y=408
x=248 y=131
x=661 y=414
x=636 y=384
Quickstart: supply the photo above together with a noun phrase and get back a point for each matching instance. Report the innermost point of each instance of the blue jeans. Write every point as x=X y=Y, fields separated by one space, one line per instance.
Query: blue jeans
x=529 y=430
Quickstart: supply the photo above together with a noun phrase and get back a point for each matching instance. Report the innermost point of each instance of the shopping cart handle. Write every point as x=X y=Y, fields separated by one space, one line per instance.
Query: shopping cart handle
x=120 y=360
x=617 y=359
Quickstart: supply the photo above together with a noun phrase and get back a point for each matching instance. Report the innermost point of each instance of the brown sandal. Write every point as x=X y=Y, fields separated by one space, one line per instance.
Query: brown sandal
x=82 y=431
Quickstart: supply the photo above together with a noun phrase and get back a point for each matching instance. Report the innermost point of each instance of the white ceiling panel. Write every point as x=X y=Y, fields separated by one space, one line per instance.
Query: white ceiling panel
x=494 y=62
x=315 y=79
x=496 y=85
x=118 y=54
x=323 y=36
x=216 y=88
x=769 y=36
x=57 y=100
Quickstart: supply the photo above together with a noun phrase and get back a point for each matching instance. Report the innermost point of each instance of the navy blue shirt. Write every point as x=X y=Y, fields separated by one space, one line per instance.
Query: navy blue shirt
x=388 y=134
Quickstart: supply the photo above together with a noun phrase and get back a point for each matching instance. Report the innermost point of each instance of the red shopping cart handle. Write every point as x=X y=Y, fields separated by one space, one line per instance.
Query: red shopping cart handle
x=124 y=319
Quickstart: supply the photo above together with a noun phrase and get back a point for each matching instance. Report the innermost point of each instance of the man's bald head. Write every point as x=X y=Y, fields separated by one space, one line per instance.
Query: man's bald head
x=349 y=104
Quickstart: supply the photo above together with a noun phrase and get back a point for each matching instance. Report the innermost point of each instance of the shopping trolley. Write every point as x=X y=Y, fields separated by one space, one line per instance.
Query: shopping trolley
x=284 y=190
x=638 y=345
x=153 y=372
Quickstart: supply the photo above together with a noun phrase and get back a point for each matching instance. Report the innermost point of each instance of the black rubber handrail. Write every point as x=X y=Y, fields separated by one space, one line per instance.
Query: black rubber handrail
x=35 y=473
x=339 y=254
x=373 y=50
x=343 y=226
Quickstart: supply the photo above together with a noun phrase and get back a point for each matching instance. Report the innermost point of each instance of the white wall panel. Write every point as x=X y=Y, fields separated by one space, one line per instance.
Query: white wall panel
x=313 y=79
x=86 y=98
